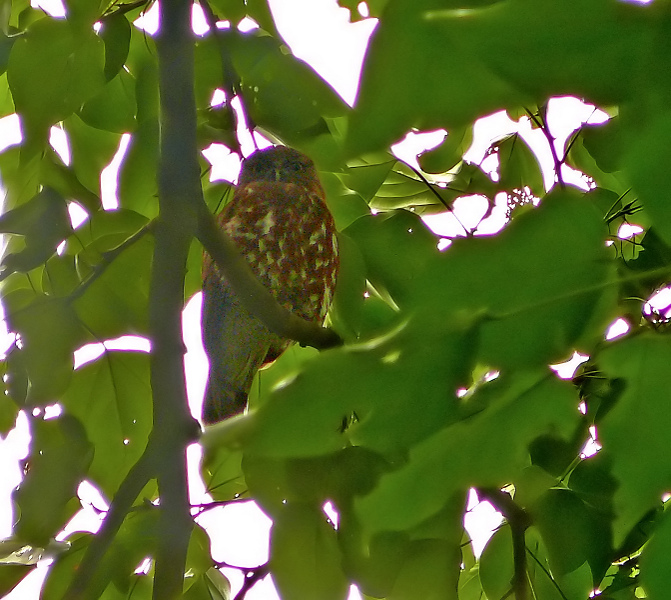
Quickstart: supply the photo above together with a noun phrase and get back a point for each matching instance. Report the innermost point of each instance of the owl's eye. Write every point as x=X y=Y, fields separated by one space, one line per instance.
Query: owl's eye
x=295 y=165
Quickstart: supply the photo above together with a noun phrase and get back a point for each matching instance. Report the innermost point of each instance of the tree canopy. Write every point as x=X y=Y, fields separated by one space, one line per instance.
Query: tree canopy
x=442 y=383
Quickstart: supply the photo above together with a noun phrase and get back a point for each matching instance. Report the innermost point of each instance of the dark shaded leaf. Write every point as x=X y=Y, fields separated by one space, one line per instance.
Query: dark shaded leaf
x=59 y=459
x=304 y=555
x=115 y=32
x=641 y=413
x=529 y=404
x=573 y=534
x=43 y=222
x=49 y=332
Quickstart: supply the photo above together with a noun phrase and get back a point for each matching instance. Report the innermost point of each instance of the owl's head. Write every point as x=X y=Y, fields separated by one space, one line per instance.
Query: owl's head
x=279 y=164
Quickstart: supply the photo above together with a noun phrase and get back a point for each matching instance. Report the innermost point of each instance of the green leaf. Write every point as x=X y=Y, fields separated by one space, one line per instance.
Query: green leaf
x=346 y=310
x=656 y=560
x=60 y=277
x=449 y=153
x=641 y=413
x=59 y=459
x=20 y=176
x=231 y=10
x=83 y=12
x=6 y=44
x=304 y=555
x=111 y=396
x=538 y=308
x=383 y=376
x=213 y=585
x=500 y=55
x=43 y=222
x=10 y=403
x=282 y=93
x=573 y=534
x=580 y=158
x=404 y=41
x=105 y=231
x=259 y=10
x=373 y=563
x=53 y=70
x=518 y=166
x=496 y=564
x=113 y=108
x=605 y=143
x=528 y=404
x=64 y=180
x=645 y=157
x=403 y=188
x=345 y=206
x=135 y=541
x=115 y=32
x=577 y=584
x=114 y=301
x=222 y=473
x=137 y=188
x=15 y=376
x=61 y=572
x=430 y=572
x=593 y=481
x=395 y=247
x=531 y=484
x=366 y=179
x=12 y=575
x=137 y=183
x=91 y=151
x=49 y=333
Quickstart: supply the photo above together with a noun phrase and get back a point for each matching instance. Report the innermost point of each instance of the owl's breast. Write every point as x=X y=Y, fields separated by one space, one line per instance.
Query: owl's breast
x=288 y=237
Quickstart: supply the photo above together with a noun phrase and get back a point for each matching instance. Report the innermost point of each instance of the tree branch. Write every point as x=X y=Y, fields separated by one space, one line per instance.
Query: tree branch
x=179 y=190
x=85 y=584
x=253 y=295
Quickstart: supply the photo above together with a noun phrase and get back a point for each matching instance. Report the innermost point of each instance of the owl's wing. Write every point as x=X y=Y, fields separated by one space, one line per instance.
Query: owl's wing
x=236 y=343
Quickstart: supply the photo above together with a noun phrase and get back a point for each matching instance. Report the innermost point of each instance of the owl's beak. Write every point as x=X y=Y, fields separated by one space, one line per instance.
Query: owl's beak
x=277 y=175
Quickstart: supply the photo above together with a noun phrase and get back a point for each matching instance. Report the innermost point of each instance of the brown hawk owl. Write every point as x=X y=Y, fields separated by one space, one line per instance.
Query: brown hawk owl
x=279 y=221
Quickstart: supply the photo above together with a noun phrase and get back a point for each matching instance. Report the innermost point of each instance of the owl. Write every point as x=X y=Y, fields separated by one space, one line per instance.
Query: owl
x=279 y=221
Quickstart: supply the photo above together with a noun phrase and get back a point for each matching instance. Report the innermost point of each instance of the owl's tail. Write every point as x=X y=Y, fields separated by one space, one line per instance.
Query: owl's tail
x=237 y=344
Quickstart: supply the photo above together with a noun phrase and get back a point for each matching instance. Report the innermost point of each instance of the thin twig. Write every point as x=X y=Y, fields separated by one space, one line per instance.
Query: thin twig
x=643 y=275
x=107 y=258
x=251 y=579
x=435 y=192
x=547 y=573
x=542 y=124
x=125 y=8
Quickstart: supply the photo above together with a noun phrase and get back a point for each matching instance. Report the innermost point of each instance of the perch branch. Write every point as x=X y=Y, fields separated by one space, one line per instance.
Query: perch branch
x=253 y=295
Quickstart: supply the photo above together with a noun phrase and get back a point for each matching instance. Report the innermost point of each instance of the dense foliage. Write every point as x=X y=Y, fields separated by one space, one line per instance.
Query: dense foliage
x=443 y=382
